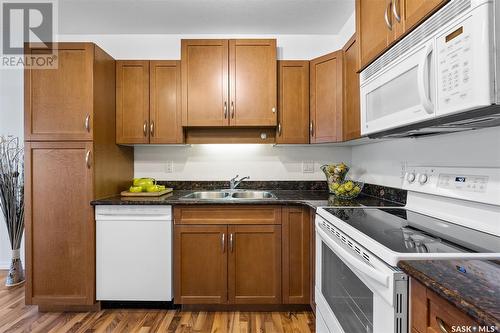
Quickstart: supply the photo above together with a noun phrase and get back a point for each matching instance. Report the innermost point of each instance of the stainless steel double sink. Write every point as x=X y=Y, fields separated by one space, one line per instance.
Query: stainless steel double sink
x=229 y=195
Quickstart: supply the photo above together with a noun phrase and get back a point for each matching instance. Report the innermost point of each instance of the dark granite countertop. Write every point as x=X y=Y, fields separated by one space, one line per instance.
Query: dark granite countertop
x=476 y=291
x=312 y=199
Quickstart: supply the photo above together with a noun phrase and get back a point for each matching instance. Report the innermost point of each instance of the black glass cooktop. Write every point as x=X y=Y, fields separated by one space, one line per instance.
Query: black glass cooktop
x=405 y=231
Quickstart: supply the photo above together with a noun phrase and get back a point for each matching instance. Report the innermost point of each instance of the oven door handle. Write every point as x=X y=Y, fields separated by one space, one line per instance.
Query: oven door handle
x=353 y=260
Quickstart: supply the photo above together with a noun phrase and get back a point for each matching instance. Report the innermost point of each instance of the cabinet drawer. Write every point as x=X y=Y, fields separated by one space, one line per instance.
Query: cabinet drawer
x=441 y=312
x=227 y=215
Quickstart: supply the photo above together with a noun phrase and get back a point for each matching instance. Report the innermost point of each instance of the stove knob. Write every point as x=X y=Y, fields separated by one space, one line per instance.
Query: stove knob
x=410 y=177
x=422 y=179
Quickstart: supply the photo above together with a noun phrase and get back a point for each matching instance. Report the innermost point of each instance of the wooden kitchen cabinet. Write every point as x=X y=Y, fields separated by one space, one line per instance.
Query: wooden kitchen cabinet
x=132 y=101
x=148 y=102
x=381 y=23
x=227 y=254
x=351 y=123
x=252 y=82
x=228 y=83
x=165 y=117
x=372 y=28
x=293 y=102
x=59 y=102
x=415 y=12
x=205 y=100
x=67 y=170
x=429 y=311
x=60 y=228
x=200 y=264
x=296 y=254
x=254 y=267
x=326 y=98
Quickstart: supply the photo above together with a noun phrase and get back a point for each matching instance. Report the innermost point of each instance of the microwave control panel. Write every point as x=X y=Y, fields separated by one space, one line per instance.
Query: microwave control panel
x=455 y=67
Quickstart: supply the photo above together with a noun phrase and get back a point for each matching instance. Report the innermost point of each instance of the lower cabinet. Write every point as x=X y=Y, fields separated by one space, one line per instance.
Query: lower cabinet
x=236 y=255
x=200 y=264
x=430 y=313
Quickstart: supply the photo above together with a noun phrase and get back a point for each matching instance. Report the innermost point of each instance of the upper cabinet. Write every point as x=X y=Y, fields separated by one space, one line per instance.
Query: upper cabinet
x=228 y=83
x=293 y=104
x=381 y=23
x=252 y=82
x=326 y=98
x=59 y=102
x=351 y=125
x=132 y=101
x=205 y=82
x=148 y=104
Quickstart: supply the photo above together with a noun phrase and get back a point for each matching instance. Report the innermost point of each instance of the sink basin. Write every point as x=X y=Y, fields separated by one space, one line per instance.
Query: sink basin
x=229 y=195
x=253 y=195
x=207 y=195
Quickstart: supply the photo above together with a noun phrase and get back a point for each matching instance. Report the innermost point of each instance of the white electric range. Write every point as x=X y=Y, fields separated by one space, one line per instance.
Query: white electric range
x=450 y=213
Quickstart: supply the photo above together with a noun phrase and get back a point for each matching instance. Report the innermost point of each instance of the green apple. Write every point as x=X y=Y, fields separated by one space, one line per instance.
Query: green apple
x=143 y=182
x=135 y=189
x=153 y=188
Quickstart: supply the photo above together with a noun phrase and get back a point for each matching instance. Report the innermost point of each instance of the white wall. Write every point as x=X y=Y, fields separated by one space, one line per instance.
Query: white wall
x=154 y=47
x=11 y=123
x=381 y=163
x=222 y=162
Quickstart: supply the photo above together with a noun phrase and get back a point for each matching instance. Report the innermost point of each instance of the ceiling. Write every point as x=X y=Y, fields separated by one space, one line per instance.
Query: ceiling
x=203 y=16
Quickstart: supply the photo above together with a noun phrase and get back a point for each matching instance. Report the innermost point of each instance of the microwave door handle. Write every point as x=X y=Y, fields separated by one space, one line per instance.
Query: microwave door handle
x=423 y=69
x=357 y=263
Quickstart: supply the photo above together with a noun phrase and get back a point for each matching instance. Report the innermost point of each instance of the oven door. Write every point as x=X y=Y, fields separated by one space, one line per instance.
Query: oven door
x=353 y=295
x=401 y=94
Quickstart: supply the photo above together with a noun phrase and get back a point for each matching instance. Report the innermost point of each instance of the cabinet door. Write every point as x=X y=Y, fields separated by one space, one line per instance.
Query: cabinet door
x=326 y=98
x=58 y=102
x=200 y=264
x=132 y=101
x=60 y=227
x=254 y=269
x=351 y=127
x=415 y=11
x=165 y=102
x=252 y=82
x=293 y=107
x=204 y=82
x=372 y=28
x=296 y=250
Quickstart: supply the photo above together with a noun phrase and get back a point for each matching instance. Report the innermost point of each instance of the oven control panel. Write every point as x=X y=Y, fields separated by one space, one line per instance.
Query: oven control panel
x=474 y=184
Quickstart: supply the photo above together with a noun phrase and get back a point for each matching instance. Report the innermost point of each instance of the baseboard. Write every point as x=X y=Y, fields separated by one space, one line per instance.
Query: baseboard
x=4 y=265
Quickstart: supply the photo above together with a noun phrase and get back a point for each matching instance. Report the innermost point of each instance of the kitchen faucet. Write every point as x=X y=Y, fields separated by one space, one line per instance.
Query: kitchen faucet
x=233 y=183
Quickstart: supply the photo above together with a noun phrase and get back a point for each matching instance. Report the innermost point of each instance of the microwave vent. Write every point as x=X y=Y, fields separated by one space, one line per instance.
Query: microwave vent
x=420 y=34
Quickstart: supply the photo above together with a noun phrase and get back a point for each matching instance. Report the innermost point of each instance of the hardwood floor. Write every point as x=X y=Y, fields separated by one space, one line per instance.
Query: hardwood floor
x=15 y=316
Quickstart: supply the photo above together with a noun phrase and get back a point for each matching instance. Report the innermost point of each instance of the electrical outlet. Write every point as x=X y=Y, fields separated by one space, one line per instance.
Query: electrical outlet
x=169 y=166
x=403 y=169
x=307 y=166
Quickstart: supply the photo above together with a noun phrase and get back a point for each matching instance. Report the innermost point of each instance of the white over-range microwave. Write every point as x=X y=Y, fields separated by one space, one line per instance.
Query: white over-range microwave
x=442 y=77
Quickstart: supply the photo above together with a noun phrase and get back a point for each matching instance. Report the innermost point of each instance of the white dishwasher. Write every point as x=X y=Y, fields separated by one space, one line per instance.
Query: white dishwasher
x=133 y=253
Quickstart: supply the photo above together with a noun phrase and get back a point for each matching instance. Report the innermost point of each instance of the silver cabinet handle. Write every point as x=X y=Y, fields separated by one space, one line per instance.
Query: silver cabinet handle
x=311 y=128
x=225 y=110
x=231 y=242
x=395 y=10
x=145 y=128
x=386 y=16
x=87 y=122
x=223 y=242
x=152 y=128
x=442 y=326
x=87 y=159
x=232 y=109
x=274 y=110
x=279 y=129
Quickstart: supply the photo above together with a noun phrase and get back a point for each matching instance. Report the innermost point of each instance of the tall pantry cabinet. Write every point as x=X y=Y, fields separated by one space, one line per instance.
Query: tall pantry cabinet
x=70 y=159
